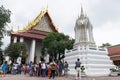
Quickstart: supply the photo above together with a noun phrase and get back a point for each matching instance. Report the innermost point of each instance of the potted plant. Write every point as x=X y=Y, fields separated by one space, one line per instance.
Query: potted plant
x=114 y=72
x=82 y=70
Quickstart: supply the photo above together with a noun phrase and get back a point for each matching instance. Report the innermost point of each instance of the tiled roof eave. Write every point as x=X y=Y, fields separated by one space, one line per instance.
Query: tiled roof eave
x=32 y=36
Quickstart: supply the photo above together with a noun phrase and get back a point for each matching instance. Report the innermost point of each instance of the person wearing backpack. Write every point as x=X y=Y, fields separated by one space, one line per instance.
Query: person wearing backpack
x=53 y=69
x=78 y=70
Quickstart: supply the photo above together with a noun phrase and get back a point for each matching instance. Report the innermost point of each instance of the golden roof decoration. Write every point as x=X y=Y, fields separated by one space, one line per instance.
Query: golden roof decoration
x=36 y=20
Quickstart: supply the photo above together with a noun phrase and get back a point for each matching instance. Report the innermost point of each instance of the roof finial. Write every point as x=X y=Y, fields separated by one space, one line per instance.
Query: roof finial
x=47 y=7
x=82 y=14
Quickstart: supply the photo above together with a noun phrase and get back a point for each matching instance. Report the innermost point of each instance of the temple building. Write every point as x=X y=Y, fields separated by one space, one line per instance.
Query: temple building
x=33 y=34
x=95 y=60
x=114 y=53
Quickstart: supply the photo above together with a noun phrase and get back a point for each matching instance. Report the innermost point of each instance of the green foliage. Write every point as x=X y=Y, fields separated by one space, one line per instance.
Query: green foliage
x=56 y=43
x=82 y=69
x=105 y=45
x=1 y=57
x=1 y=43
x=14 y=50
x=4 y=18
x=113 y=70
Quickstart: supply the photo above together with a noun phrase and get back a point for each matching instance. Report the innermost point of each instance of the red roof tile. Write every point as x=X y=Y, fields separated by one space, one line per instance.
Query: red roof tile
x=114 y=49
x=115 y=57
x=35 y=34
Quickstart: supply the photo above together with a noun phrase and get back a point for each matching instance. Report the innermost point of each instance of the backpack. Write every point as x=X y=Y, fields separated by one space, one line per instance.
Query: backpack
x=53 y=67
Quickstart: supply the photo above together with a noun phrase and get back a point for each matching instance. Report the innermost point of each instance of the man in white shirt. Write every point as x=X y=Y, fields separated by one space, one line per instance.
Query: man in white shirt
x=15 y=67
x=43 y=66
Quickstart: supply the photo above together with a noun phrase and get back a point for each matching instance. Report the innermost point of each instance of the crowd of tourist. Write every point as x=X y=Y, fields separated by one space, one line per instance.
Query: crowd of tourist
x=42 y=69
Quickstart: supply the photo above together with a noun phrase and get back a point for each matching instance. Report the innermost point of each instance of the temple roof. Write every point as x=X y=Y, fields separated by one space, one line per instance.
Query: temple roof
x=38 y=19
x=114 y=49
x=40 y=35
x=115 y=57
x=38 y=28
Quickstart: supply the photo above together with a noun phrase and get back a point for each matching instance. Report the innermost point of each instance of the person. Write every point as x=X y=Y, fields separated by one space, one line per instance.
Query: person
x=48 y=70
x=53 y=69
x=9 y=69
x=0 y=70
x=60 y=68
x=15 y=68
x=25 y=69
x=78 y=70
x=20 y=66
x=43 y=67
x=39 y=69
x=65 y=68
x=4 y=66
x=31 y=68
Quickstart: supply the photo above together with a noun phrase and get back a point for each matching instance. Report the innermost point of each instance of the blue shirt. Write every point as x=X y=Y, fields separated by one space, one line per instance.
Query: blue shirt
x=4 y=67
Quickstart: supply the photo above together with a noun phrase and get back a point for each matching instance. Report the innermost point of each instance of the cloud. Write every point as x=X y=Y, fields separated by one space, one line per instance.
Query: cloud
x=107 y=33
x=103 y=14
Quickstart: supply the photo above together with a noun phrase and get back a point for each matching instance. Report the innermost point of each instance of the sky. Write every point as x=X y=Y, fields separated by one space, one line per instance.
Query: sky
x=103 y=14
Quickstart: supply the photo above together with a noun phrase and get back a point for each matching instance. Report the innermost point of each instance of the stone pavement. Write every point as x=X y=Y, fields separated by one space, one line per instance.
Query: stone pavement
x=27 y=77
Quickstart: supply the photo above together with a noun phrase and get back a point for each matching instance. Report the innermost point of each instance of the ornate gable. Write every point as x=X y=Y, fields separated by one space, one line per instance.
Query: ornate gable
x=42 y=22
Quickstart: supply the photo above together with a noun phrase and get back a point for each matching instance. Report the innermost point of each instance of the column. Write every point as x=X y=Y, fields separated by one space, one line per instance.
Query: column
x=15 y=40
x=32 y=51
x=21 y=39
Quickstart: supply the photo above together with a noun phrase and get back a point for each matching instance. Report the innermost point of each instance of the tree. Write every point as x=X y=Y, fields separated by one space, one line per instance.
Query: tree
x=15 y=50
x=4 y=19
x=1 y=43
x=105 y=45
x=1 y=57
x=55 y=44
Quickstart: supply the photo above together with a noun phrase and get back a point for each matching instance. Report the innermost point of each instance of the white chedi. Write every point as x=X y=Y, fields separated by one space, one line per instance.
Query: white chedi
x=95 y=60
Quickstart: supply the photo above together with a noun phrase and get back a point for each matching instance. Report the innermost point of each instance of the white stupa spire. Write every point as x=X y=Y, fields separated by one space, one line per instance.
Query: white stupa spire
x=83 y=31
x=82 y=13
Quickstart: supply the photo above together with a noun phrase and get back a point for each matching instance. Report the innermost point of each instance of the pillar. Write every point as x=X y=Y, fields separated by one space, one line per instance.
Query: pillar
x=21 y=39
x=32 y=50
x=15 y=40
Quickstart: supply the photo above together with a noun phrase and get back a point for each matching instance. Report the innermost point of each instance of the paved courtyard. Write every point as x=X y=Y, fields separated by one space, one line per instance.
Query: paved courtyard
x=27 y=77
